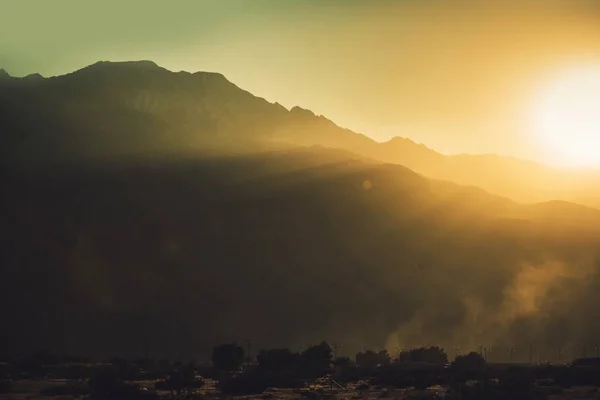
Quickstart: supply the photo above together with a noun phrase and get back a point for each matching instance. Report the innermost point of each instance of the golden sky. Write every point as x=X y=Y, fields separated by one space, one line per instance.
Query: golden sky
x=456 y=75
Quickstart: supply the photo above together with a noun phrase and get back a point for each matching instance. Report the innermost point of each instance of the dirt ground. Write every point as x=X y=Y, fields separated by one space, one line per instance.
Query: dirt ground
x=30 y=390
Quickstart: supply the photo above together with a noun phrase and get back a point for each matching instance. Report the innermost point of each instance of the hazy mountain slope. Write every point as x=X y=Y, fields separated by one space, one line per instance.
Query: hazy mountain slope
x=518 y=179
x=521 y=180
x=139 y=108
x=283 y=248
x=141 y=203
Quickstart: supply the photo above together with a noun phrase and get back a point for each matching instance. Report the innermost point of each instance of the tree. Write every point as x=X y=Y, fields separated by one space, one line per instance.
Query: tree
x=469 y=362
x=431 y=355
x=228 y=357
x=470 y=366
x=342 y=362
x=370 y=359
x=277 y=359
x=316 y=360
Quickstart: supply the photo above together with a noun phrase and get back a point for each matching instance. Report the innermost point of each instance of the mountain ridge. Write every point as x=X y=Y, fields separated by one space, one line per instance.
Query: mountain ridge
x=148 y=221
x=202 y=107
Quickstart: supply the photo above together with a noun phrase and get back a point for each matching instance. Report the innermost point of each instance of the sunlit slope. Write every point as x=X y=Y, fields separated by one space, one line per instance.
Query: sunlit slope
x=283 y=248
x=518 y=179
x=134 y=109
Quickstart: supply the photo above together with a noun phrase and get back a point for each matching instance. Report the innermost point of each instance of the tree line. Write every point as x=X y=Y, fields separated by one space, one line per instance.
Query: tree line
x=468 y=376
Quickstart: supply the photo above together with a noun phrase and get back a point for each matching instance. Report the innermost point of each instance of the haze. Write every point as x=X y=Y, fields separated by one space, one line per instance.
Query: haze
x=460 y=77
x=379 y=174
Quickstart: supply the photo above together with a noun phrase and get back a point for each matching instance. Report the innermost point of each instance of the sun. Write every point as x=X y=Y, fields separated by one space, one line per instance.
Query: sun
x=566 y=118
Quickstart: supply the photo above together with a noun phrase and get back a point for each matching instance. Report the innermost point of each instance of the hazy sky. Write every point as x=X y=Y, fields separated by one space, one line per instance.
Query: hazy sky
x=456 y=75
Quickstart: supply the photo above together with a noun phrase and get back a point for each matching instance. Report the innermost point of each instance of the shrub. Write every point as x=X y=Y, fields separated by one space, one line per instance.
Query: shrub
x=107 y=384
x=228 y=357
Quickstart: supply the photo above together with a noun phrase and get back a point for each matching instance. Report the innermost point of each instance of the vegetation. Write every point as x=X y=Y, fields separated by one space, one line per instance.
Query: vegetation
x=371 y=359
x=468 y=377
x=431 y=355
x=180 y=379
x=228 y=357
x=107 y=383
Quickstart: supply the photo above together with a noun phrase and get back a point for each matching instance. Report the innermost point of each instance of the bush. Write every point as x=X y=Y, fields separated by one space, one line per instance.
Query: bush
x=349 y=374
x=242 y=385
x=371 y=360
x=277 y=359
x=228 y=357
x=431 y=355
x=183 y=378
x=470 y=366
x=107 y=384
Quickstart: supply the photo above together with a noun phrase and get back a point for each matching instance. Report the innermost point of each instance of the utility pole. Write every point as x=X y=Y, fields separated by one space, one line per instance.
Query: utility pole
x=145 y=349
x=530 y=353
x=248 y=349
x=145 y=338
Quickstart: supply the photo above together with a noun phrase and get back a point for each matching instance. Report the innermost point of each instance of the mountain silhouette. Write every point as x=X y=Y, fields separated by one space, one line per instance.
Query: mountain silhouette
x=178 y=208
x=138 y=108
x=284 y=247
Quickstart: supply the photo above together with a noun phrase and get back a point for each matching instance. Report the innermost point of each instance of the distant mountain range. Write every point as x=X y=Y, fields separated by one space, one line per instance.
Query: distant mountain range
x=138 y=108
x=179 y=209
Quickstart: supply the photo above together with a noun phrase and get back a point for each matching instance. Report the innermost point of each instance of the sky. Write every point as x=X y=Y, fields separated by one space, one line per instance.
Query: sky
x=457 y=75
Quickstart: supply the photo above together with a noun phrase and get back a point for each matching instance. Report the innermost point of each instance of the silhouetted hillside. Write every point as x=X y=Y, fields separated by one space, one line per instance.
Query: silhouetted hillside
x=142 y=206
x=138 y=108
x=283 y=248
x=132 y=108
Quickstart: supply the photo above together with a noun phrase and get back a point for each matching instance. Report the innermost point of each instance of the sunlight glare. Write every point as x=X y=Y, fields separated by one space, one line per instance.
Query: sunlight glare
x=566 y=118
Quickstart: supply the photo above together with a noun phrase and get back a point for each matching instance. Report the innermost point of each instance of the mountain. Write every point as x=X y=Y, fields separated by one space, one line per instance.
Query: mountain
x=141 y=205
x=521 y=180
x=139 y=108
x=284 y=248
x=132 y=108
